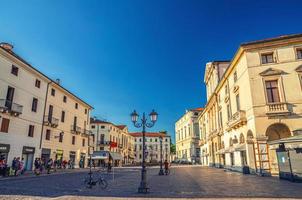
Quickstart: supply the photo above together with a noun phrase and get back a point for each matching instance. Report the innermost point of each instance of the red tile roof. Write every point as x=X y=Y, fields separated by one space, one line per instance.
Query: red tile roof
x=149 y=134
x=121 y=126
x=197 y=109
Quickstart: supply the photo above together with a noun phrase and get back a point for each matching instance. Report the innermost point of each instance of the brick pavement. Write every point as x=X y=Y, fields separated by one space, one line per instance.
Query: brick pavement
x=183 y=182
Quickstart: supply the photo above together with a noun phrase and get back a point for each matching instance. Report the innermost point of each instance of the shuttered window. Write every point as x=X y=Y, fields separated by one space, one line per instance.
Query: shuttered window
x=31 y=131
x=5 y=125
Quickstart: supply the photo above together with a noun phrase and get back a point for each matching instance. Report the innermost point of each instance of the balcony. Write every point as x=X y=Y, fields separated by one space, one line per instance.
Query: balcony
x=237 y=120
x=51 y=121
x=277 y=109
x=10 y=107
x=75 y=129
x=86 y=132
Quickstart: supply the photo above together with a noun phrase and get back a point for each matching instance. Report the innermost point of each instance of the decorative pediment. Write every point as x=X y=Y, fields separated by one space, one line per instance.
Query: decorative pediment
x=299 y=68
x=272 y=72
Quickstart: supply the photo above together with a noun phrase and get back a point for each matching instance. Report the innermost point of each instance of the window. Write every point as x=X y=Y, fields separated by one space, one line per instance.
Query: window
x=76 y=105
x=38 y=83
x=47 y=135
x=237 y=102
x=220 y=119
x=267 y=58
x=229 y=111
x=63 y=116
x=4 y=125
x=102 y=127
x=166 y=140
x=226 y=90
x=31 y=131
x=299 y=53
x=156 y=140
x=15 y=70
x=83 y=142
x=85 y=111
x=64 y=99
x=34 y=105
x=53 y=92
x=272 y=91
x=61 y=137
x=93 y=126
x=235 y=76
x=73 y=140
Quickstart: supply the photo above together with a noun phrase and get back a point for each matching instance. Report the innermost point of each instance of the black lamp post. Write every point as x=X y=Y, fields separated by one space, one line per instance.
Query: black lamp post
x=161 y=171
x=134 y=118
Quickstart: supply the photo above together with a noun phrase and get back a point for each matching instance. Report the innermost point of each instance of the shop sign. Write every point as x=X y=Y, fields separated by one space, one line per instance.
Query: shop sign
x=28 y=150
x=4 y=148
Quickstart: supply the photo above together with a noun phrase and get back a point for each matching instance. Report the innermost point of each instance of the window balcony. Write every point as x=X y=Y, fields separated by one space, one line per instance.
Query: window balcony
x=75 y=129
x=10 y=107
x=86 y=132
x=237 y=120
x=51 y=121
x=277 y=109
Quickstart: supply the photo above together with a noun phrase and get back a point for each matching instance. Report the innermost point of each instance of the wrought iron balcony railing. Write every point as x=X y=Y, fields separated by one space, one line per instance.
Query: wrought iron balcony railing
x=10 y=107
x=75 y=129
x=51 y=121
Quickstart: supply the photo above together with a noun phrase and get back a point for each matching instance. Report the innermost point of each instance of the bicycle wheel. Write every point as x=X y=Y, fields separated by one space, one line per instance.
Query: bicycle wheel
x=103 y=183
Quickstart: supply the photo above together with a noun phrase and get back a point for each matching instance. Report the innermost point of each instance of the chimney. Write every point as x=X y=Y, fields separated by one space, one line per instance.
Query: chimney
x=6 y=46
x=58 y=81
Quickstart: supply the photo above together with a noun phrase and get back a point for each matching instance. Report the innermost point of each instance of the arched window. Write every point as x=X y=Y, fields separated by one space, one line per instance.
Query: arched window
x=241 y=139
x=231 y=142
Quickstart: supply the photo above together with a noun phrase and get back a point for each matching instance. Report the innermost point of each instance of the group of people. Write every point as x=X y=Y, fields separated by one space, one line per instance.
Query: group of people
x=16 y=168
x=41 y=164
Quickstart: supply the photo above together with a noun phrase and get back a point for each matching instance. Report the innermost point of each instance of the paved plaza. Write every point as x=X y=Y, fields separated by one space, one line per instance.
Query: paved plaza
x=183 y=182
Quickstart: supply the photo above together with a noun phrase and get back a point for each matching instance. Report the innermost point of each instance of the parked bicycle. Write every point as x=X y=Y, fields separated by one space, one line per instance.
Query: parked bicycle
x=91 y=181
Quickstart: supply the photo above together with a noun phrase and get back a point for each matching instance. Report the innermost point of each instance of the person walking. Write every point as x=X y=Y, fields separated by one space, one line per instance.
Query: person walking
x=21 y=166
x=3 y=166
x=166 y=164
x=48 y=165
x=14 y=166
x=37 y=167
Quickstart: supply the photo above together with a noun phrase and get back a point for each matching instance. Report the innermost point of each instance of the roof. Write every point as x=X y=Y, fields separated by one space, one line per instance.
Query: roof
x=149 y=134
x=121 y=126
x=98 y=121
x=281 y=37
x=197 y=109
x=39 y=72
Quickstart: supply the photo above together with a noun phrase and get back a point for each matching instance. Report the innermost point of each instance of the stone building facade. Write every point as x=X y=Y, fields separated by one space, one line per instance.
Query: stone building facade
x=187 y=136
x=252 y=120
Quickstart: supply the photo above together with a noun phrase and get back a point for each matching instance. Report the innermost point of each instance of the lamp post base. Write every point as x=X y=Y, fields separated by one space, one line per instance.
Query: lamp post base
x=161 y=172
x=143 y=190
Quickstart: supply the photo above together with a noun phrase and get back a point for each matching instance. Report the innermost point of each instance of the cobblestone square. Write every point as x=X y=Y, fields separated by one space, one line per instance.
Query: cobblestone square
x=183 y=182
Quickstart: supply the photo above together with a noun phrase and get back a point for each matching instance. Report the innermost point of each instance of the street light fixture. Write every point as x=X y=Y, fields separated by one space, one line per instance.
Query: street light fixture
x=134 y=118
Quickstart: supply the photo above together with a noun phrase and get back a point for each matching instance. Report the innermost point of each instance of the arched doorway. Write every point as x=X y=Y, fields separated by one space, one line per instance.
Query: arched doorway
x=276 y=131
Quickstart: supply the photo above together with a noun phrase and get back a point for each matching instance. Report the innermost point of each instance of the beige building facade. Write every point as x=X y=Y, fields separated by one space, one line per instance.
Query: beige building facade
x=154 y=142
x=112 y=141
x=32 y=124
x=187 y=136
x=252 y=120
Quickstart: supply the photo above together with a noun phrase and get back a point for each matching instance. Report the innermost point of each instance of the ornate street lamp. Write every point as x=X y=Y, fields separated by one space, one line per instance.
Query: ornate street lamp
x=134 y=118
x=161 y=171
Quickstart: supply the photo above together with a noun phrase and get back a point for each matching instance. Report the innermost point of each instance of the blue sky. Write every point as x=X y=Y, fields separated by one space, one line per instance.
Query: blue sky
x=125 y=55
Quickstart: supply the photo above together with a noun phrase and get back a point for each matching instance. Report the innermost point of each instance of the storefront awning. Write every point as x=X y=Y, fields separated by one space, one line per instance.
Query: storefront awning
x=116 y=156
x=100 y=155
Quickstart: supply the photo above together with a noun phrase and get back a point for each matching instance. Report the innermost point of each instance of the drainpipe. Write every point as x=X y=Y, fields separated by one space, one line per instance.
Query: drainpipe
x=42 y=129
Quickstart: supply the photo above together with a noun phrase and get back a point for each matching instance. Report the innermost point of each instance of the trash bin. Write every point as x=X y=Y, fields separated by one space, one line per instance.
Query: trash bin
x=246 y=170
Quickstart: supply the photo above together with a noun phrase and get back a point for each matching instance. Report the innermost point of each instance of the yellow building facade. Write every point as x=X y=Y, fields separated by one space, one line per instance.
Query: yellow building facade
x=252 y=120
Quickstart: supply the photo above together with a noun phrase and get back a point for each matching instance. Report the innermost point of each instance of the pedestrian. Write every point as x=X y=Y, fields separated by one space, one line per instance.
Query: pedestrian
x=48 y=165
x=3 y=166
x=22 y=167
x=14 y=166
x=41 y=165
x=37 y=166
x=55 y=165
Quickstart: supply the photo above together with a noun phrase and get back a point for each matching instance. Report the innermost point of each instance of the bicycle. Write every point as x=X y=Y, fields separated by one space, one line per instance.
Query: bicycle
x=90 y=181
x=167 y=171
